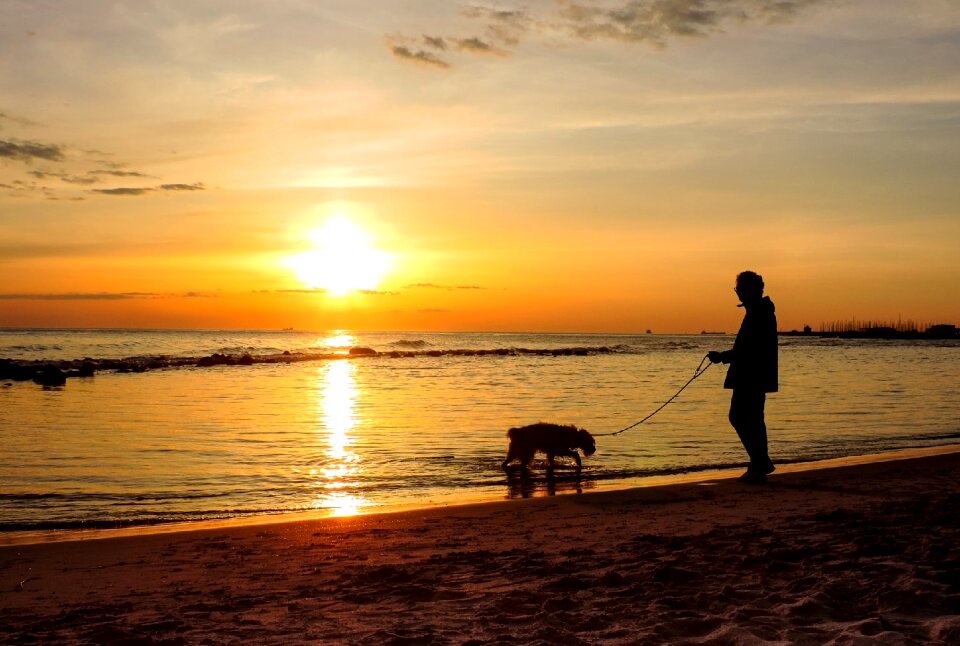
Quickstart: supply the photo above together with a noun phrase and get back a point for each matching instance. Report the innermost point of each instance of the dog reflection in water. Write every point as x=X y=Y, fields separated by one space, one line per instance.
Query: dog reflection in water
x=554 y=440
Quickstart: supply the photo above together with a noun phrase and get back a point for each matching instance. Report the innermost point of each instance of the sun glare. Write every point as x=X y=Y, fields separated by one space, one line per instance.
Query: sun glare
x=344 y=259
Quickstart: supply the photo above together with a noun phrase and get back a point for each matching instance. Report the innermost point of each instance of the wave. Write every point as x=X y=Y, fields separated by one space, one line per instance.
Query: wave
x=55 y=373
x=410 y=343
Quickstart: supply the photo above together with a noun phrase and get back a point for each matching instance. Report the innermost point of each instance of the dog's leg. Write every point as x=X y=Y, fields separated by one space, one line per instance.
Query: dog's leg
x=550 y=465
x=511 y=455
x=570 y=453
x=526 y=457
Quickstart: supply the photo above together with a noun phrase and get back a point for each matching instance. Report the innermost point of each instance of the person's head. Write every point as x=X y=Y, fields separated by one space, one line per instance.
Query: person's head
x=749 y=286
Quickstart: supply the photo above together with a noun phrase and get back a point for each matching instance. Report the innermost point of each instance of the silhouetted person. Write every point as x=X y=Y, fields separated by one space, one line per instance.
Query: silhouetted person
x=752 y=373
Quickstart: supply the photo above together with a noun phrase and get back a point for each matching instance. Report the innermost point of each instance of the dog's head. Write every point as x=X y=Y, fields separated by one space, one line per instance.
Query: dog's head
x=585 y=442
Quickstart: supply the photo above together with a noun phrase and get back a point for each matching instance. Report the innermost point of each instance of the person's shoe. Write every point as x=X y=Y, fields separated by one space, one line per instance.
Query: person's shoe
x=753 y=477
x=767 y=469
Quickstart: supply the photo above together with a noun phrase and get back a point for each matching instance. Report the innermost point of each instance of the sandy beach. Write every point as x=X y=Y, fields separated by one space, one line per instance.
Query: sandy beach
x=860 y=553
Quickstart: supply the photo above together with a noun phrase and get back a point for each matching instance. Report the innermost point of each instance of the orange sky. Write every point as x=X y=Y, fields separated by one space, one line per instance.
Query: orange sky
x=544 y=165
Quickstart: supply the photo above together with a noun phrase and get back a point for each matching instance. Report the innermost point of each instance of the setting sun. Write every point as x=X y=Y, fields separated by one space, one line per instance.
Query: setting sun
x=343 y=259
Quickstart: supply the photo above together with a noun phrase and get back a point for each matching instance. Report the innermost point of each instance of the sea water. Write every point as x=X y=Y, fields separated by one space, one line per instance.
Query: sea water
x=424 y=425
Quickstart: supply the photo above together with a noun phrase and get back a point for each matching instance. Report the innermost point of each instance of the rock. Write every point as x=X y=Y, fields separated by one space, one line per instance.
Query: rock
x=50 y=376
x=15 y=371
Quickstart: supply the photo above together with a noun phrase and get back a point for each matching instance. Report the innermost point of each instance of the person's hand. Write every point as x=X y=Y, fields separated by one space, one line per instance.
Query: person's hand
x=714 y=357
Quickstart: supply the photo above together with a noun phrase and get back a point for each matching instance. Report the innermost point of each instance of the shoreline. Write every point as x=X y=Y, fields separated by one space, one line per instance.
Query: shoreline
x=865 y=552
x=564 y=487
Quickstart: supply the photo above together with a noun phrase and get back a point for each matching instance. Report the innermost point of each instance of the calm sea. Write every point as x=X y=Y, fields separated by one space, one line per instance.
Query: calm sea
x=356 y=434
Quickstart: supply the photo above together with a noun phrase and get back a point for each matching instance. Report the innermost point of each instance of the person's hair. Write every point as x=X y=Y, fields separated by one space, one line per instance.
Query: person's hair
x=751 y=280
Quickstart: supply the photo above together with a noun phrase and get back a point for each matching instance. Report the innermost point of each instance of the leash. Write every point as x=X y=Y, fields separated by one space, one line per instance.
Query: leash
x=696 y=373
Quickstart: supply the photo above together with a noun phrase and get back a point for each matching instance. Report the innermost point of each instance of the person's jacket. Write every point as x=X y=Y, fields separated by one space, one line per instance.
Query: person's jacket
x=753 y=358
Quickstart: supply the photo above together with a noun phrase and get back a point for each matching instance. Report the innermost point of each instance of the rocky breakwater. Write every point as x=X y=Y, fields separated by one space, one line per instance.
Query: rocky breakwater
x=53 y=374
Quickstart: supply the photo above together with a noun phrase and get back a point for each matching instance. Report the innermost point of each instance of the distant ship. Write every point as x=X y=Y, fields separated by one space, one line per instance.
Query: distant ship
x=705 y=332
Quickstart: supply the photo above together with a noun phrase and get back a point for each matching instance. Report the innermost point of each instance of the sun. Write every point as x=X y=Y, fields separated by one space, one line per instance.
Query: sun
x=343 y=260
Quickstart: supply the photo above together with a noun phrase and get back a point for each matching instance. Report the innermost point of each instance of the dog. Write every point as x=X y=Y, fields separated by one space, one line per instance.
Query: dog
x=552 y=439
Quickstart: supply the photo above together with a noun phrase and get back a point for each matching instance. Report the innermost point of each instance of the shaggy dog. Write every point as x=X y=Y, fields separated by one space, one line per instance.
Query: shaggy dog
x=552 y=439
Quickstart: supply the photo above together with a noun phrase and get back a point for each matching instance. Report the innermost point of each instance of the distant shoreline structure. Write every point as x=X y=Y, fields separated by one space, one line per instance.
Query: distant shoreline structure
x=877 y=330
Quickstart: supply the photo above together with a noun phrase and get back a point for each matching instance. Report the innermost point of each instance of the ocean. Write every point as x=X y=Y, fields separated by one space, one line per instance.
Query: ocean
x=423 y=422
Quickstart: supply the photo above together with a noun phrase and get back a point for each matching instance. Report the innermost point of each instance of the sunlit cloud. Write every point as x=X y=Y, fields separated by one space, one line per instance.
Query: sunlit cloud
x=101 y=296
x=657 y=21
x=27 y=151
x=418 y=56
x=654 y=22
x=435 y=286
x=145 y=190
x=75 y=296
x=118 y=173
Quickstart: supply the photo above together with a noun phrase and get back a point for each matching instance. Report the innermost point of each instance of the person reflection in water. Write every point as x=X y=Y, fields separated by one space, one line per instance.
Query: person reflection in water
x=752 y=373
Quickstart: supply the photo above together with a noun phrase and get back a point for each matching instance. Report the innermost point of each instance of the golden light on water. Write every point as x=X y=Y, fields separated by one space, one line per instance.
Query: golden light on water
x=342 y=467
x=343 y=260
x=339 y=342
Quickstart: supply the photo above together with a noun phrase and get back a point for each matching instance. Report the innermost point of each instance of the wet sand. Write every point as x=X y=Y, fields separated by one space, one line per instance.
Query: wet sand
x=861 y=553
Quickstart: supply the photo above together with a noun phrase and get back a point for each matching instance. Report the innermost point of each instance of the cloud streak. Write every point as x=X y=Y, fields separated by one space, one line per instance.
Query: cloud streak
x=657 y=21
x=136 y=191
x=100 y=296
x=27 y=151
x=653 y=22
x=435 y=286
x=80 y=296
x=418 y=56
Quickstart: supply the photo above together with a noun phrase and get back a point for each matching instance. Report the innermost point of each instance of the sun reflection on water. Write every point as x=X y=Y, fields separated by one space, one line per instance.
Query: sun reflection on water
x=339 y=342
x=341 y=470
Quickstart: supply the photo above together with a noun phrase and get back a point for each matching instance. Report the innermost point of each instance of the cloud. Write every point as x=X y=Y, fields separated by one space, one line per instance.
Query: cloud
x=70 y=179
x=128 y=191
x=310 y=290
x=657 y=21
x=102 y=296
x=198 y=186
x=435 y=286
x=20 y=121
x=375 y=292
x=118 y=173
x=420 y=56
x=322 y=290
x=81 y=296
x=654 y=22
x=506 y=26
x=27 y=151
x=435 y=41
x=477 y=46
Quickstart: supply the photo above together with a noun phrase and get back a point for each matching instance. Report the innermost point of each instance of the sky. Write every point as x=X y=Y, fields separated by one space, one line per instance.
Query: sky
x=540 y=165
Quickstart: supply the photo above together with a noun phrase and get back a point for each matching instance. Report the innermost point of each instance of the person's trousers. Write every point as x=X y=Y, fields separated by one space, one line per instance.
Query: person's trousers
x=746 y=416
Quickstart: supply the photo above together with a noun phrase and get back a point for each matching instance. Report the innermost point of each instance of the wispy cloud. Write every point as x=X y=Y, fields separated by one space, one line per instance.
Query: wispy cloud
x=657 y=21
x=64 y=177
x=27 y=151
x=418 y=56
x=118 y=173
x=122 y=191
x=71 y=166
x=80 y=296
x=435 y=286
x=198 y=186
x=136 y=191
x=321 y=291
x=654 y=22
x=477 y=46
x=100 y=296
x=20 y=121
